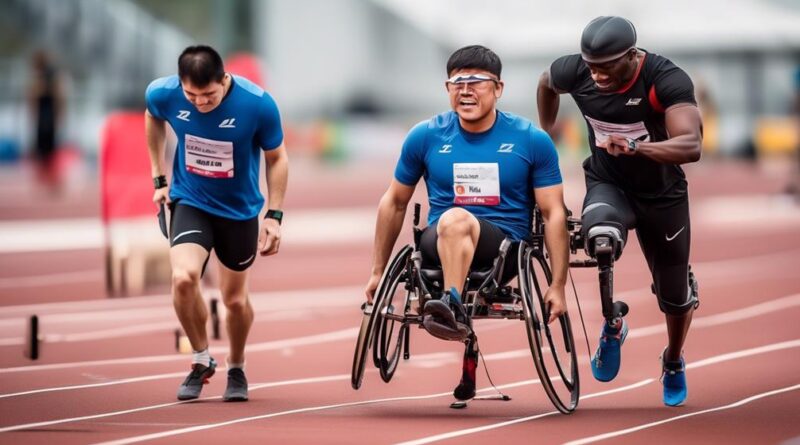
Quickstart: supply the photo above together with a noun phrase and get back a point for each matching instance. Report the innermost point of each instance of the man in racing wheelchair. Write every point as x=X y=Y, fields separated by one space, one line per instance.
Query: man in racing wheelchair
x=484 y=170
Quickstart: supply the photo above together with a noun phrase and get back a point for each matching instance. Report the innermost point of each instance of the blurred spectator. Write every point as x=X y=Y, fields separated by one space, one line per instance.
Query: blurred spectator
x=46 y=98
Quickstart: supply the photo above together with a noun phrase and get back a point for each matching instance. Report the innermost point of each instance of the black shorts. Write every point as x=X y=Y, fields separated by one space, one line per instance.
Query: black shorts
x=485 y=252
x=235 y=242
x=664 y=232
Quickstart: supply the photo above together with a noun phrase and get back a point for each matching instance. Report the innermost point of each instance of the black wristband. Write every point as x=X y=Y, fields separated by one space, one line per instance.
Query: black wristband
x=277 y=215
x=160 y=182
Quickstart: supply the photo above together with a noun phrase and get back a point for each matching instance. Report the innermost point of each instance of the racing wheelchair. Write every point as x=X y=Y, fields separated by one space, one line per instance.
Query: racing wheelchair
x=406 y=286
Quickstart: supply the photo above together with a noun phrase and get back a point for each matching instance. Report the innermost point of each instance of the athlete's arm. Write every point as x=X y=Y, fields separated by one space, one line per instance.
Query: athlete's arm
x=391 y=212
x=556 y=238
x=684 y=127
x=547 y=102
x=277 y=161
x=156 y=131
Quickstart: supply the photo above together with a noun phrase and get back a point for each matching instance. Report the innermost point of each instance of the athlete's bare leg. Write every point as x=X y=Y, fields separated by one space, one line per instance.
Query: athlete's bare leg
x=239 y=319
x=458 y=232
x=187 y=266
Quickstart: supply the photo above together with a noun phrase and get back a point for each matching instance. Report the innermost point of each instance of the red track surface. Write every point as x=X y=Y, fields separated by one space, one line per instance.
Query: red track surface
x=109 y=370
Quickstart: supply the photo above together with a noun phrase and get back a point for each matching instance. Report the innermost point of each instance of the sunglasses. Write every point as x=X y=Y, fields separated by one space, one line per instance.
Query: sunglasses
x=471 y=80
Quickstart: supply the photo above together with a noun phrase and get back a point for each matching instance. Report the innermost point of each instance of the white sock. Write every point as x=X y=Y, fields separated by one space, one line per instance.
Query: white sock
x=235 y=365
x=201 y=357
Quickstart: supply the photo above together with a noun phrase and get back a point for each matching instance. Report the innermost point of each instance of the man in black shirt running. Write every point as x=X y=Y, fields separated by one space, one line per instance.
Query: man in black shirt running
x=643 y=122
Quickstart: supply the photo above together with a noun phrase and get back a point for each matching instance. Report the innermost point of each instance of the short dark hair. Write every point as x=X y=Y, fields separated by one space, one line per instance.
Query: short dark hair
x=475 y=57
x=200 y=65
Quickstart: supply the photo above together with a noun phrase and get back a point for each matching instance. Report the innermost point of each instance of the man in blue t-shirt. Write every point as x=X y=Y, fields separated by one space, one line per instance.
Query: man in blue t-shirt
x=484 y=171
x=223 y=124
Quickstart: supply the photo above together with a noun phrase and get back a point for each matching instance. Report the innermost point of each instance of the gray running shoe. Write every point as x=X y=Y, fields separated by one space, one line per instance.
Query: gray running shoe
x=191 y=387
x=237 y=386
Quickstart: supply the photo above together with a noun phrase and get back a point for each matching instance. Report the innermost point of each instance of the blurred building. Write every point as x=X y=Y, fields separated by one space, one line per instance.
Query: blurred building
x=384 y=59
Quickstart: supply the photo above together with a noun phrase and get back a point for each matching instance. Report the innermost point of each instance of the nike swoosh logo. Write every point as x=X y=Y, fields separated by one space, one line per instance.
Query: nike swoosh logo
x=188 y=232
x=247 y=260
x=670 y=238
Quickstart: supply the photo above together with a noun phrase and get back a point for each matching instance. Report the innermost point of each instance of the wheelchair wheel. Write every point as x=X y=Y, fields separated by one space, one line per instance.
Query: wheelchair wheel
x=370 y=320
x=390 y=334
x=552 y=345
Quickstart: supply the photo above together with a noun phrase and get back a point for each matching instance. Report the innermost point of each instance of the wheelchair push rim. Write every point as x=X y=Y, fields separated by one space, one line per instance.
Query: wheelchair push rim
x=366 y=334
x=552 y=346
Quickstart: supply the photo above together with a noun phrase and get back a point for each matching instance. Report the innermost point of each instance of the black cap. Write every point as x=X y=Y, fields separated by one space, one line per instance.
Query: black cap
x=607 y=38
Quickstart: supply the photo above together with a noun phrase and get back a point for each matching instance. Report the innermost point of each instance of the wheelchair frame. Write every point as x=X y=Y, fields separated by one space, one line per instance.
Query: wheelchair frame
x=552 y=347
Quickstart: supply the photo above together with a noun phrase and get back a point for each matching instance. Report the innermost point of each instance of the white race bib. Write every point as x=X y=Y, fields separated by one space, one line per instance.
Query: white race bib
x=476 y=184
x=602 y=129
x=209 y=158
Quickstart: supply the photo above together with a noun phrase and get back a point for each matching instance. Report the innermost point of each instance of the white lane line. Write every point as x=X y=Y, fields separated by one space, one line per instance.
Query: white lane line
x=330 y=378
x=192 y=429
x=95 y=385
x=746 y=313
x=706 y=362
x=161 y=306
x=742 y=402
x=326 y=337
x=478 y=429
x=51 y=279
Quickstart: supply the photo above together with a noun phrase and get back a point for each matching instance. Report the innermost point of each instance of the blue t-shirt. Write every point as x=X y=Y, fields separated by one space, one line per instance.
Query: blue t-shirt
x=491 y=174
x=217 y=159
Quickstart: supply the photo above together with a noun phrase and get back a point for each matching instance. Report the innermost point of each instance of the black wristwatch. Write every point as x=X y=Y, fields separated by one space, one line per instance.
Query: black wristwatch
x=160 y=182
x=277 y=215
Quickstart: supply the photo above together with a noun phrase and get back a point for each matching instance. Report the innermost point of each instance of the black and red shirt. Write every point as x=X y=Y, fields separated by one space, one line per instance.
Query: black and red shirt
x=636 y=111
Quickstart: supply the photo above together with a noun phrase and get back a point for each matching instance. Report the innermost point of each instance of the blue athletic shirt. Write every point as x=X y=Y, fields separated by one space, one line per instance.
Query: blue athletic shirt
x=217 y=159
x=491 y=174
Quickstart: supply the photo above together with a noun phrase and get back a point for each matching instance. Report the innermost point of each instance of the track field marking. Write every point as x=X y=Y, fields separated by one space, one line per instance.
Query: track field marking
x=330 y=378
x=326 y=337
x=700 y=322
x=699 y=364
x=742 y=402
x=176 y=432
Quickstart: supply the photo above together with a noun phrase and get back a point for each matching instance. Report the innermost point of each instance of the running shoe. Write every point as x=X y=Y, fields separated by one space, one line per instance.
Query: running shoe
x=465 y=390
x=236 y=391
x=446 y=318
x=191 y=387
x=606 y=361
x=673 y=377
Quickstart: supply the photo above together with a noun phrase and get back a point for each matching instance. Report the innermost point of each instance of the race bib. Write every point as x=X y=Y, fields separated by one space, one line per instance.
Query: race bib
x=209 y=158
x=476 y=184
x=602 y=129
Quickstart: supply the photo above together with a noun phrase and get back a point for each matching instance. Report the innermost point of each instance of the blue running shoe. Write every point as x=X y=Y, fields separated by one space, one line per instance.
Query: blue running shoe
x=605 y=363
x=673 y=377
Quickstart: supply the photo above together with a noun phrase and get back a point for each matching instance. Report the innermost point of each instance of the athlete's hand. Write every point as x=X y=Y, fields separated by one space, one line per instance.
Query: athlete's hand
x=556 y=302
x=616 y=145
x=372 y=285
x=161 y=195
x=269 y=237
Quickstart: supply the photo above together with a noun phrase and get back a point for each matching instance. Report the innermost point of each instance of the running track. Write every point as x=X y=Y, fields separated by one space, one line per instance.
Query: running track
x=109 y=369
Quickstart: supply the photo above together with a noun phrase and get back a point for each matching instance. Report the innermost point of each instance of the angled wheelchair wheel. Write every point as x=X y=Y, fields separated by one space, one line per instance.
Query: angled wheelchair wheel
x=552 y=346
x=370 y=320
x=390 y=332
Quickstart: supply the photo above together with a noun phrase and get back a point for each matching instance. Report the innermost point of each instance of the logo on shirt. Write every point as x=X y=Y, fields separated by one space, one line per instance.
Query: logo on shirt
x=505 y=148
x=446 y=148
x=228 y=123
x=633 y=101
x=183 y=115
